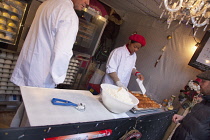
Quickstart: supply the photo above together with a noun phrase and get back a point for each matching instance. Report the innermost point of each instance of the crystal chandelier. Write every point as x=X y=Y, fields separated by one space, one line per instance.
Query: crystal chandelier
x=196 y=11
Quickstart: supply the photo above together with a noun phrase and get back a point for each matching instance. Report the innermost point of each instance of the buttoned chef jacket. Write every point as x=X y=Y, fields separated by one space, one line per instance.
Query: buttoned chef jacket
x=44 y=58
x=122 y=62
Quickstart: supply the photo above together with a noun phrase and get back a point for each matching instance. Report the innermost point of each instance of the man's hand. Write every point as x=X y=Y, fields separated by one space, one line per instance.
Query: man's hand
x=140 y=76
x=176 y=118
x=137 y=74
x=119 y=84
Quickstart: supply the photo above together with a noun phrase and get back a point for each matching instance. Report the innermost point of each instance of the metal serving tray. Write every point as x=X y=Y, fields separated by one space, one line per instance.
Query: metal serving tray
x=139 y=111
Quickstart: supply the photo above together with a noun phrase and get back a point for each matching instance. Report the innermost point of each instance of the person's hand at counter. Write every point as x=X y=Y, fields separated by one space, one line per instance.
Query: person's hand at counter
x=117 y=81
x=138 y=74
x=177 y=118
x=120 y=84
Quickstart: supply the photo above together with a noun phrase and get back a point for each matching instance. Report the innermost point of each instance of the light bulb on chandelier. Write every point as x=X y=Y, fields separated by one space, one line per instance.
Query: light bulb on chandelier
x=196 y=45
x=196 y=11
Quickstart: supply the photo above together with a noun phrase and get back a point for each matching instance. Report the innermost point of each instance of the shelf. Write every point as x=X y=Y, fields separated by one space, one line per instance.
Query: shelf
x=5 y=77
x=5 y=72
x=5 y=31
x=6 y=58
x=5 y=80
x=15 y=28
x=8 y=51
x=8 y=109
x=6 y=68
x=69 y=79
x=84 y=36
x=6 y=41
x=14 y=13
x=10 y=94
x=4 y=104
x=10 y=103
x=11 y=89
x=8 y=85
x=89 y=24
x=11 y=12
x=74 y=65
x=87 y=33
x=16 y=21
x=73 y=68
x=11 y=3
x=7 y=64
x=70 y=74
x=67 y=82
x=74 y=61
x=86 y=27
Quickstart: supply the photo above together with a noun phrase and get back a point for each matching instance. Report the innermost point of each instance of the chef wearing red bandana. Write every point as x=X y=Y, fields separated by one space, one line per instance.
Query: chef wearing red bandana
x=121 y=62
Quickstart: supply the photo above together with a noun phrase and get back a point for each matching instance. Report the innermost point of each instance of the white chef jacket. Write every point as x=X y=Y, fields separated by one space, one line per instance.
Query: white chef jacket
x=44 y=58
x=122 y=62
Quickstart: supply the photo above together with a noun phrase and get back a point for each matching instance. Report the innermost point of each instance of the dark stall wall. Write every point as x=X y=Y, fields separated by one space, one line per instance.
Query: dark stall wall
x=172 y=72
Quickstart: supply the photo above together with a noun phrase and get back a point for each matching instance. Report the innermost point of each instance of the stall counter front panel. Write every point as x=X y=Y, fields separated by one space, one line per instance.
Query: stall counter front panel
x=151 y=127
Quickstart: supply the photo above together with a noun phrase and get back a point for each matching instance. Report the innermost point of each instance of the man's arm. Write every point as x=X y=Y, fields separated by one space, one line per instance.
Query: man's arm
x=63 y=44
x=114 y=76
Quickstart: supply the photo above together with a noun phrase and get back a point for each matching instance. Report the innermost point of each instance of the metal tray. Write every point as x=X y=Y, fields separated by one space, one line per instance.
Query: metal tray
x=160 y=106
x=139 y=111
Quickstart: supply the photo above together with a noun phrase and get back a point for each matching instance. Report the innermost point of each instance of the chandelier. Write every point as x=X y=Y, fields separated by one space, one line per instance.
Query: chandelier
x=196 y=12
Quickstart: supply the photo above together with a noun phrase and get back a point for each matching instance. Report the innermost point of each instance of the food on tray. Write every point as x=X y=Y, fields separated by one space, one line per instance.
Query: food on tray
x=5 y=14
x=2 y=20
x=2 y=27
x=14 y=10
x=1 y=35
x=11 y=24
x=84 y=36
x=145 y=102
x=9 y=29
x=18 y=3
x=8 y=37
x=14 y=17
x=6 y=6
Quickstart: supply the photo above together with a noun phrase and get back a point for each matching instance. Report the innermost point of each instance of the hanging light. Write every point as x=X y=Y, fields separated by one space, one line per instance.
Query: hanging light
x=196 y=11
x=196 y=46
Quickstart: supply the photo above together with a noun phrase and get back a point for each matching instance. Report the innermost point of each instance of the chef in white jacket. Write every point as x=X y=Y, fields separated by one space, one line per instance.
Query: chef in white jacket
x=121 y=62
x=45 y=55
x=44 y=58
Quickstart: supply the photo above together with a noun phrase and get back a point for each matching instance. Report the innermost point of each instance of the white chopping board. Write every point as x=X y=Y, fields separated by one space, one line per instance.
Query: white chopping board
x=41 y=111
